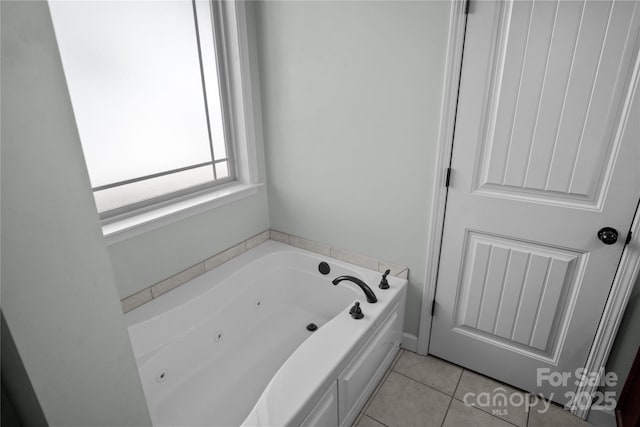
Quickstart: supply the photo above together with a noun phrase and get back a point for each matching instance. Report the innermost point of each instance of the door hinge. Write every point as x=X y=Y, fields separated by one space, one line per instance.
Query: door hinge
x=433 y=307
x=466 y=7
x=447 y=178
x=628 y=239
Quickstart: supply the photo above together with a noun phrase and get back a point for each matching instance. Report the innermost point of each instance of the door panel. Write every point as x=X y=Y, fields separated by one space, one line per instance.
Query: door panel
x=513 y=292
x=559 y=69
x=545 y=154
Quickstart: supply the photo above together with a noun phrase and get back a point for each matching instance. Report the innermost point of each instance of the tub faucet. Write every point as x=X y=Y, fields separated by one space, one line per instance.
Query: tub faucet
x=371 y=297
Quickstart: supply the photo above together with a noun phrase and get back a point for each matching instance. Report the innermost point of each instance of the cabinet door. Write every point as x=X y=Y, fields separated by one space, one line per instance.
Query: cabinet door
x=325 y=413
x=363 y=373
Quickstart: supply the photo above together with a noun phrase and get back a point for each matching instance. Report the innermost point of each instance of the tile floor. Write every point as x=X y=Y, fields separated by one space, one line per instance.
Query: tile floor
x=427 y=391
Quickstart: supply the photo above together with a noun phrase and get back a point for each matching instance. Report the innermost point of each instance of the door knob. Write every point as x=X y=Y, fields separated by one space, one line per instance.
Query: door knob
x=608 y=235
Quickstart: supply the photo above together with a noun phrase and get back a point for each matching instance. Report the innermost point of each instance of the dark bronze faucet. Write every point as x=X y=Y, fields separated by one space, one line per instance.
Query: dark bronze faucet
x=371 y=297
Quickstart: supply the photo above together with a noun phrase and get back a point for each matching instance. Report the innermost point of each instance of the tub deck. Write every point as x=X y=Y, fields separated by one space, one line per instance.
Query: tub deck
x=222 y=347
x=271 y=341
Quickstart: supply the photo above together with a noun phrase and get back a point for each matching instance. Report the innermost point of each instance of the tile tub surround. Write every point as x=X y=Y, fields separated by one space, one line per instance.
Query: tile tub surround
x=427 y=391
x=323 y=249
x=154 y=291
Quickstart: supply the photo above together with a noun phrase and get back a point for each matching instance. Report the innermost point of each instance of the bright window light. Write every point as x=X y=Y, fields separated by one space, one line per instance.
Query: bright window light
x=145 y=88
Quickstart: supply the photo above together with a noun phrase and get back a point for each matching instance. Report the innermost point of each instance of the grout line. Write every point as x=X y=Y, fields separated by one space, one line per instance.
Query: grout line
x=431 y=387
x=377 y=420
x=451 y=401
x=174 y=276
x=451 y=398
x=357 y=420
x=333 y=249
x=446 y=412
x=420 y=382
x=458 y=383
x=268 y=231
x=487 y=412
x=502 y=419
x=397 y=357
x=378 y=386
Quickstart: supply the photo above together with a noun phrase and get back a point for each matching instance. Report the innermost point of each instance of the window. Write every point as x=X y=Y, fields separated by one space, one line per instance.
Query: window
x=158 y=103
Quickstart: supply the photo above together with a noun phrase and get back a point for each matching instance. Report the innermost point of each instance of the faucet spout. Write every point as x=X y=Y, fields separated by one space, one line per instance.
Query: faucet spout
x=371 y=297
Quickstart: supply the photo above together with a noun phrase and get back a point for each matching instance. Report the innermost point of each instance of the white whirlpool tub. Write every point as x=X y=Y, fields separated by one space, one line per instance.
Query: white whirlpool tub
x=231 y=347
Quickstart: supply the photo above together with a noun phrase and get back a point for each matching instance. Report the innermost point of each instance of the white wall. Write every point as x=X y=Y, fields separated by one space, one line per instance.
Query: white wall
x=627 y=342
x=59 y=298
x=351 y=103
x=27 y=409
x=143 y=260
x=146 y=259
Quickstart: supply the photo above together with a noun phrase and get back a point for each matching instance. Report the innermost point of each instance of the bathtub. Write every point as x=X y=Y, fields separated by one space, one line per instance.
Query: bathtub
x=231 y=347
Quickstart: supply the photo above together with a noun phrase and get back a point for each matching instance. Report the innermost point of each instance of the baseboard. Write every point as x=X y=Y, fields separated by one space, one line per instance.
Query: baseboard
x=409 y=342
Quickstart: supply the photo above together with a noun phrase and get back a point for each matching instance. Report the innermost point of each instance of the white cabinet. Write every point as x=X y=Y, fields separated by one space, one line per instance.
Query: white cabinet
x=358 y=380
x=325 y=413
x=346 y=396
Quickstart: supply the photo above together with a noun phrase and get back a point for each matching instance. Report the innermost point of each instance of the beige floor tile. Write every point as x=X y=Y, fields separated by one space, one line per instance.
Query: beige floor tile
x=493 y=397
x=366 y=421
x=381 y=382
x=357 y=420
x=404 y=402
x=461 y=415
x=429 y=370
x=553 y=417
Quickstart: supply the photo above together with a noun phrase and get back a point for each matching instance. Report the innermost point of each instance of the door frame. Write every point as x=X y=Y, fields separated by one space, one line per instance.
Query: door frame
x=629 y=266
x=448 y=107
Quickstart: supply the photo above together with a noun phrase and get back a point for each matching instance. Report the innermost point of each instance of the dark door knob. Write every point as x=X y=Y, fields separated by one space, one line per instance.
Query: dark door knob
x=608 y=235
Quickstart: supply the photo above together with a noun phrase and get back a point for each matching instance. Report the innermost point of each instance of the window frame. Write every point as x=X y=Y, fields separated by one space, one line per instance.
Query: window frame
x=240 y=101
x=240 y=107
x=223 y=19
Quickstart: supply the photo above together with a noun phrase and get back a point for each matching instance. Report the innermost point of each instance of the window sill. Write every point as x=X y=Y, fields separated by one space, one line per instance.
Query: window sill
x=117 y=230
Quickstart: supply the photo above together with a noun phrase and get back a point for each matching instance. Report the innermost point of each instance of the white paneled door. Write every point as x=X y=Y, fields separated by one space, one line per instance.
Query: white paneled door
x=546 y=153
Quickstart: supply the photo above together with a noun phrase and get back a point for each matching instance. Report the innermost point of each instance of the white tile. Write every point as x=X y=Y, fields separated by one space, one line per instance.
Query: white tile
x=163 y=287
x=366 y=421
x=177 y=280
x=402 y=401
x=429 y=370
x=188 y=274
x=460 y=414
x=397 y=357
x=225 y=256
x=395 y=268
x=381 y=382
x=136 y=300
x=404 y=274
x=310 y=245
x=473 y=386
x=550 y=415
x=278 y=236
x=357 y=259
x=257 y=239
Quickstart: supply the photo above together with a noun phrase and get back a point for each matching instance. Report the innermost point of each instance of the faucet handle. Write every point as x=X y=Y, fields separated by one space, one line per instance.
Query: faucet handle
x=356 y=311
x=384 y=284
